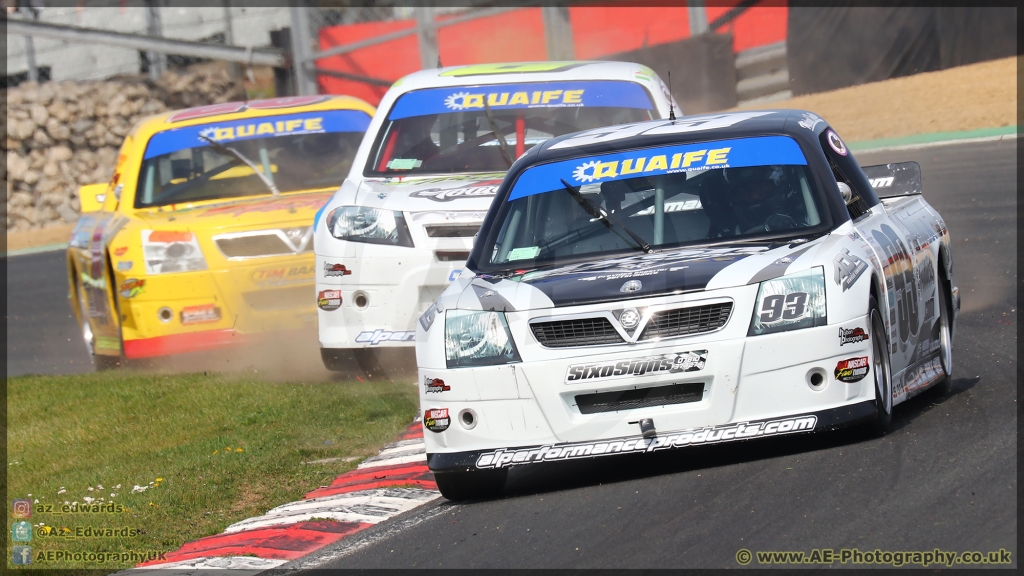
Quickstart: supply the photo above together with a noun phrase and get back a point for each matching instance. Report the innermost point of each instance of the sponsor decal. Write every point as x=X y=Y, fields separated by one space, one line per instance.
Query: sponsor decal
x=848 y=269
x=810 y=120
x=885 y=182
x=520 y=96
x=779 y=307
x=132 y=287
x=281 y=275
x=712 y=435
x=501 y=69
x=447 y=195
x=454 y=274
x=427 y=319
x=671 y=159
x=271 y=205
x=852 y=335
x=202 y=314
x=674 y=363
x=120 y=251
x=679 y=126
x=329 y=300
x=434 y=385
x=923 y=374
x=378 y=336
x=231 y=131
x=852 y=369
x=124 y=265
x=631 y=286
x=836 y=143
x=436 y=419
x=335 y=270
x=232 y=107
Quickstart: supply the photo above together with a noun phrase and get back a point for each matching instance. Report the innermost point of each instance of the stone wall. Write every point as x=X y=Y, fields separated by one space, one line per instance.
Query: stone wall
x=59 y=136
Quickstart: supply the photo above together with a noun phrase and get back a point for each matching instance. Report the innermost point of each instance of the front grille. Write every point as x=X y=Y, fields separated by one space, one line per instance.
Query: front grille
x=640 y=398
x=580 y=332
x=452 y=230
x=452 y=255
x=687 y=321
x=256 y=245
x=276 y=299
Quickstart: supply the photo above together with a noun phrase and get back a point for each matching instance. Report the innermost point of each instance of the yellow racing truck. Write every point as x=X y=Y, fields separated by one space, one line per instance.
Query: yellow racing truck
x=203 y=237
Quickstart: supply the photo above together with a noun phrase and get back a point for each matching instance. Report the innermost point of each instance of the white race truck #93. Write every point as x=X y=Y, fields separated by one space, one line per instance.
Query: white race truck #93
x=400 y=228
x=661 y=285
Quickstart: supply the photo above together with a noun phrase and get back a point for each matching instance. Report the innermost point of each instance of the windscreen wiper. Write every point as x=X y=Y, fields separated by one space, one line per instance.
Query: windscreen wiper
x=502 y=145
x=234 y=152
x=599 y=213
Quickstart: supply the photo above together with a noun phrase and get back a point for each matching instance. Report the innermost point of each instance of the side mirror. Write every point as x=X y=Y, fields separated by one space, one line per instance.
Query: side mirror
x=92 y=196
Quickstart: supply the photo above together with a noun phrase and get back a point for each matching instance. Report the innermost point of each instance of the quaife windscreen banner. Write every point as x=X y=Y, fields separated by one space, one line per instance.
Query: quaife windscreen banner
x=736 y=153
x=251 y=128
x=588 y=94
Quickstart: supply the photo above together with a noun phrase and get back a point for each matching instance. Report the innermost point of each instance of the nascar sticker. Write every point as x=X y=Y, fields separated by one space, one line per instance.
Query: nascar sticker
x=740 y=152
x=501 y=458
x=652 y=365
x=329 y=300
x=852 y=369
x=605 y=93
x=436 y=419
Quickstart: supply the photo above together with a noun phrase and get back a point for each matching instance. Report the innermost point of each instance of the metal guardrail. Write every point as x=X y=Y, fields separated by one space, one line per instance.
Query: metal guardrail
x=259 y=56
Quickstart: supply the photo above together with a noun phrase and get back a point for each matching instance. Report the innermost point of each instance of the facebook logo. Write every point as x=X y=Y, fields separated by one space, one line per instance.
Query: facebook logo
x=21 y=555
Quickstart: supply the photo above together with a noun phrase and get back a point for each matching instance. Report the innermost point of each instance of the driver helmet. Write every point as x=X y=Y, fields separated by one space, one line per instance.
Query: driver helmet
x=755 y=188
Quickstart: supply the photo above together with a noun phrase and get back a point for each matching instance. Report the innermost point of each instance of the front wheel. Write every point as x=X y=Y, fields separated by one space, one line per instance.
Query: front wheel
x=882 y=373
x=477 y=485
x=100 y=362
x=945 y=337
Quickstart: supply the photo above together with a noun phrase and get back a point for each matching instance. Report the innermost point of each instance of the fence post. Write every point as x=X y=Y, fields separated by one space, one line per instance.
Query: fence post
x=154 y=28
x=305 y=80
x=558 y=33
x=283 y=80
x=427 y=34
x=698 y=17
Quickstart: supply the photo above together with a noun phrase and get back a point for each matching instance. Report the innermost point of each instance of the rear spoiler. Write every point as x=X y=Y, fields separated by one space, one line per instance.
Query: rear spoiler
x=892 y=180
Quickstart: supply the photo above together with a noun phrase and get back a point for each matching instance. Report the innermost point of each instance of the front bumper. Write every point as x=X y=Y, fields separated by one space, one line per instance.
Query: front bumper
x=530 y=408
x=520 y=455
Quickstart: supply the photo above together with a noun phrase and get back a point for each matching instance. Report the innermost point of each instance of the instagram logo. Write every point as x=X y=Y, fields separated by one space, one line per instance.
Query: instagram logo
x=22 y=508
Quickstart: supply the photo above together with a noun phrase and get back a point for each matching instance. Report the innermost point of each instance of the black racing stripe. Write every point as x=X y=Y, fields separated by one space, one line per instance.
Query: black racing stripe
x=591 y=286
x=776 y=268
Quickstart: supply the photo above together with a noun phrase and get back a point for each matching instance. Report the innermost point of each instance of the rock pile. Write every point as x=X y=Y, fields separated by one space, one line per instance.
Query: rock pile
x=58 y=136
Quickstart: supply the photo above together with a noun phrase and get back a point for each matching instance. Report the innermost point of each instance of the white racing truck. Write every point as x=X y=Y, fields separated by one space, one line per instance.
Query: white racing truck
x=401 y=226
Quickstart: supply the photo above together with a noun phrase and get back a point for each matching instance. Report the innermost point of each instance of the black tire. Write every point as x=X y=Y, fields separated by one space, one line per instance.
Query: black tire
x=881 y=372
x=337 y=360
x=479 y=485
x=944 y=327
x=104 y=363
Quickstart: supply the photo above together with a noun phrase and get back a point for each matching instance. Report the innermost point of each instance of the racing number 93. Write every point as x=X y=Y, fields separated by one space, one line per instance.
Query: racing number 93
x=783 y=307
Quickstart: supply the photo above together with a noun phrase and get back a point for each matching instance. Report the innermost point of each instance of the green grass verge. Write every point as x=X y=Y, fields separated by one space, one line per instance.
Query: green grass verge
x=209 y=451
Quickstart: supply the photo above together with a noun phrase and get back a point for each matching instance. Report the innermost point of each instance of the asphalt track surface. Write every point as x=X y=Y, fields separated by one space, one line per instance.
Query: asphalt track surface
x=944 y=477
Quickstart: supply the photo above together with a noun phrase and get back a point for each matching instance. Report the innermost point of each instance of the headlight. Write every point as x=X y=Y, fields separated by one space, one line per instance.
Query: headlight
x=477 y=339
x=372 y=225
x=790 y=302
x=171 y=251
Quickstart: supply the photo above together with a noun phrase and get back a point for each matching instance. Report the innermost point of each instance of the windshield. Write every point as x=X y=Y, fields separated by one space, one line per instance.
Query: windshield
x=485 y=128
x=209 y=162
x=667 y=196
